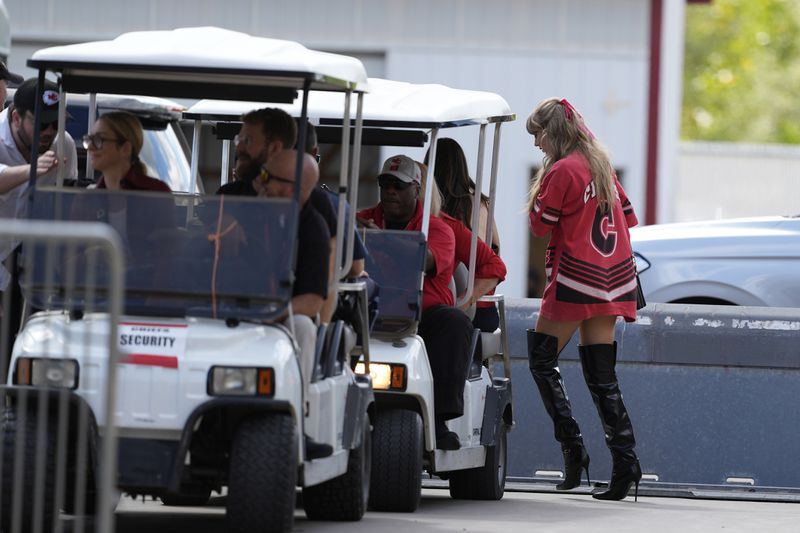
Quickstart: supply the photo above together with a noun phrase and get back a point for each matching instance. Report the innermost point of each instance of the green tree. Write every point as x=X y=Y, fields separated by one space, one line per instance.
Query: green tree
x=741 y=78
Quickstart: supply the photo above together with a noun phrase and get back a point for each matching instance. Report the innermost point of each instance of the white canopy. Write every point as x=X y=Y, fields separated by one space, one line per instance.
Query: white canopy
x=388 y=103
x=204 y=54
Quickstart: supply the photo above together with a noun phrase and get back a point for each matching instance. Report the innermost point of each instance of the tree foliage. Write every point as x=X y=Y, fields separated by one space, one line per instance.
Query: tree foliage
x=741 y=78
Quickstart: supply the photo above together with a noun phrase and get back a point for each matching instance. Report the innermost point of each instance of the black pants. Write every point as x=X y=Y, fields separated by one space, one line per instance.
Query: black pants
x=447 y=332
x=11 y=300
x=486 y=319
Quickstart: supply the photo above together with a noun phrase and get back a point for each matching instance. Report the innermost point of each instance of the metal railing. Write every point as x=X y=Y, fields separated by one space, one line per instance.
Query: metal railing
x=58 y=452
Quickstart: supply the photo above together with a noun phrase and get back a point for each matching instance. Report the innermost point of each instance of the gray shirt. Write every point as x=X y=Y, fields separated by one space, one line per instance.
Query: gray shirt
x=14 y=202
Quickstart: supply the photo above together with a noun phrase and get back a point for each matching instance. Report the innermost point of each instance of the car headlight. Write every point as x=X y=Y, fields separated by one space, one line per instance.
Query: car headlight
x=46 y=372
x=385 y=376
x=642 y=264
x=241 y=381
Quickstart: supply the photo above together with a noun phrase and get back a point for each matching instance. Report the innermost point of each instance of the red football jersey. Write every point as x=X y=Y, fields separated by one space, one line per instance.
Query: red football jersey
x=589 y=265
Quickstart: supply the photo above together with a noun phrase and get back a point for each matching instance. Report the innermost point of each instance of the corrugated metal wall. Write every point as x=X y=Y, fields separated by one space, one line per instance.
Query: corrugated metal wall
x=728 y=180
x=594 y=52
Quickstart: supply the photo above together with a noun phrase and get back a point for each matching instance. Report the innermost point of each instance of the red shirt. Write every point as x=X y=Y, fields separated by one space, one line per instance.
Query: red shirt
x=487 y=263
x=133 y=181
x=441 y=243
x=590 y=270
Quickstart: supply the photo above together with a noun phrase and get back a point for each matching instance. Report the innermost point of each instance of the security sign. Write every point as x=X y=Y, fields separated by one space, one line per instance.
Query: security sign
x=151 y=344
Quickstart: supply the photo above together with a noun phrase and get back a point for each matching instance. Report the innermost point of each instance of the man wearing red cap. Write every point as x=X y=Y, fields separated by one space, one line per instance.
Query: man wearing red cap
x=446 y=330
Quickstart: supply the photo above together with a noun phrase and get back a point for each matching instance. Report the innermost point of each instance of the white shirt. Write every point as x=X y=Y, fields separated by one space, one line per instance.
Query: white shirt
x=14 y=202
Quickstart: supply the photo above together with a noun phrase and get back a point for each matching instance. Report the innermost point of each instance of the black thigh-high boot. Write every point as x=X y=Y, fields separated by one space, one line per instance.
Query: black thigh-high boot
x=543 y=362
x=598 y=362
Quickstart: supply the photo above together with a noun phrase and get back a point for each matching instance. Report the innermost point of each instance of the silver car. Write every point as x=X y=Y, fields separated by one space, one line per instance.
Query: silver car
x=748 y=261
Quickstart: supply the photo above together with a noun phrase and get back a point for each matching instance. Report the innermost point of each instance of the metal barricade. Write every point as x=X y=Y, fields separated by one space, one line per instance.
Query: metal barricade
x=58 y=449
x=710 y=390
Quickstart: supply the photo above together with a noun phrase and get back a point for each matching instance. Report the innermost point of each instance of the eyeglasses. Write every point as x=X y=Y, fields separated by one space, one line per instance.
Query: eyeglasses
x=385 y=182
x=266 y=177
x=242 y=139
x=95 y=140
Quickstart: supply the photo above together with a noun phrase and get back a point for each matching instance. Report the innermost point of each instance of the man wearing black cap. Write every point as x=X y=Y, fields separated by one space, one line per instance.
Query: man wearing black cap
x=16 y=140
x=7 y=77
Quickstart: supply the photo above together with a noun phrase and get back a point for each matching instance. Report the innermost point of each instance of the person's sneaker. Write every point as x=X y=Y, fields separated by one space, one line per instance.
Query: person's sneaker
x=316 y=450
x=446 y=439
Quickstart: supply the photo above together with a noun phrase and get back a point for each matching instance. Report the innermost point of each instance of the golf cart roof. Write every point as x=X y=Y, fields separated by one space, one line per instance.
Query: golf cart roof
x=199 y=62
x=388 y=104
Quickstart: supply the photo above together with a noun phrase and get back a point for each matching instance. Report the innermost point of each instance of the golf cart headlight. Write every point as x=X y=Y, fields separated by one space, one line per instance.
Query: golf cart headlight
x=241 y=381
x=385 y=376
x=47 y=372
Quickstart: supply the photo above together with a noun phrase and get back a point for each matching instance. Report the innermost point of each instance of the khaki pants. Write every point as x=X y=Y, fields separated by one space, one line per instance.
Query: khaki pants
x=305 y=333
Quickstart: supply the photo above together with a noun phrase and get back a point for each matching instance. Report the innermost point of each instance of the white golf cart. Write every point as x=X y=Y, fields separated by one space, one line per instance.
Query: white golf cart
x=208 y=391
x=404 y=443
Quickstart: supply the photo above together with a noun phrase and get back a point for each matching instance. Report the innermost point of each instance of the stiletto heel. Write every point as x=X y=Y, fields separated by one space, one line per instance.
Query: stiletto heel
x=621 y=480
x=588 y=481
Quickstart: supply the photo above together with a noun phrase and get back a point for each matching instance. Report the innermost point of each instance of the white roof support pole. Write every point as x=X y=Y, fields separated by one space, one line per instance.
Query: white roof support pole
x=195 y=155
x=62 y=121
x=194 y=170
x=476 y=212
x=343 y=178
x=493 y=185
x=92 y=117
x=355 y=169
x=226 y=162
x=426 y=203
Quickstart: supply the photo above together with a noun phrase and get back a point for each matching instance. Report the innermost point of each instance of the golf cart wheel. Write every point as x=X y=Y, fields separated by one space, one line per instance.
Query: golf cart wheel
x=344 y=498
x=263 y=475
x=26 y=489
x=487 y=482
x=397 y=446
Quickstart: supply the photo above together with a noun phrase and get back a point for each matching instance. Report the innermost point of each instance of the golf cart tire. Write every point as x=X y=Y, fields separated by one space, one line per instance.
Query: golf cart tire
x=487 y=482
x=27 y=491
x=344 y=498
x=397 y=438
x=263 y=475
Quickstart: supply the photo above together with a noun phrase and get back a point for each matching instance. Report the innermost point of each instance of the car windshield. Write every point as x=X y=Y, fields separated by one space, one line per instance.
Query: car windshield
x=231 y=259
x=164 y=155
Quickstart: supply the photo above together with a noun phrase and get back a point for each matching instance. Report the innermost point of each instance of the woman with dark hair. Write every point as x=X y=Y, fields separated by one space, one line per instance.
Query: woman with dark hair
x=457 y=190
x=591 y=280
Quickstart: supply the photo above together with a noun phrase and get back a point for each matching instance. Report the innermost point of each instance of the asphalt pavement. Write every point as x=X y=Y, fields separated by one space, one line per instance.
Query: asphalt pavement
x=516 y=512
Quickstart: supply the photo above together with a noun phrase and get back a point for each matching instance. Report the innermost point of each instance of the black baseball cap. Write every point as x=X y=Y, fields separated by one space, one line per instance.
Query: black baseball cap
x=5 y=74
x=25 y=99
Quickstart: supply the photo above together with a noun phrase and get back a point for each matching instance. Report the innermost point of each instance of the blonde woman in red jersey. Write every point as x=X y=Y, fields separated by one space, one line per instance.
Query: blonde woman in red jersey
x=591 y=281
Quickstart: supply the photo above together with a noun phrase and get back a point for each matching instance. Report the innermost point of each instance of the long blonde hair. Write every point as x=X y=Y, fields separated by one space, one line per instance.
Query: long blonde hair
x=567 y=132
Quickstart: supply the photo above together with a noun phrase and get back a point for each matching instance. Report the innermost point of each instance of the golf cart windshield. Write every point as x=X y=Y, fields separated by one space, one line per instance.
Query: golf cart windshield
x=396 y=261
x=229 y=261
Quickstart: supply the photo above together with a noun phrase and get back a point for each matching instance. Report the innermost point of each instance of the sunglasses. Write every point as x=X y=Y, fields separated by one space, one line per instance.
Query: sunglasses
x=95 y=140
x=385 y=182
x=267 y=176
x=43 y=125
